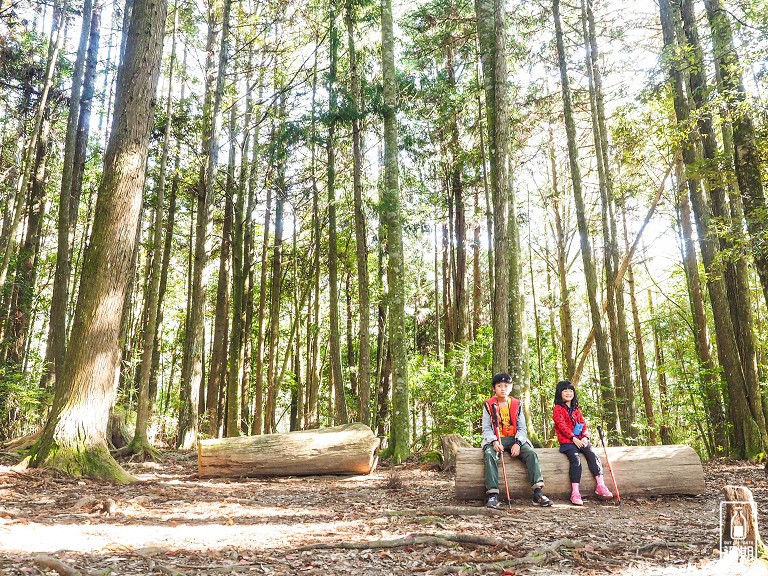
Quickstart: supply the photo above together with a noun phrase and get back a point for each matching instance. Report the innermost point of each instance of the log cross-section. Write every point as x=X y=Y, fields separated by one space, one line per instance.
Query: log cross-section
x=639 y=470
x=347 y=449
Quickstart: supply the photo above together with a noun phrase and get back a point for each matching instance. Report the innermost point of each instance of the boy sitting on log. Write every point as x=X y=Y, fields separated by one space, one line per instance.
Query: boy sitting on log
x=504 y=430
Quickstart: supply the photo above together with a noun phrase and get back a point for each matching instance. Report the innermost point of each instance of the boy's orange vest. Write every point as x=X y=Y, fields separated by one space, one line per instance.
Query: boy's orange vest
x=492 y=404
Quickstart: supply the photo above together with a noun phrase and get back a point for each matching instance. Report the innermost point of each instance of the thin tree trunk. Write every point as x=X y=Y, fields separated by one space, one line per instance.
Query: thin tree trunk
x=218 y=404
x=361 y=240
x=392 y=219
x=28 y=160
x=566 y=322
x=340 y=415
x=650 y=418
x=58 y=319
x=590 y=273
x=193 y=361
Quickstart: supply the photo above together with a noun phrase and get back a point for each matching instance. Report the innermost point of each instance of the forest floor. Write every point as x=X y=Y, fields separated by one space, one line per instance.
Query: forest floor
x=401 y=521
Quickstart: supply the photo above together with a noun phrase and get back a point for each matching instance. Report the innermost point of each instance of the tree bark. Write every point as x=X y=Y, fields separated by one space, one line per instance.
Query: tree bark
x=193 y=364
x=57 y=338
x=603 y=360
x=340 y=415
x=749 y=436
x=747 y=162
x=74 y=435
x=392 y=221
x=361 y=239
x=491 y=31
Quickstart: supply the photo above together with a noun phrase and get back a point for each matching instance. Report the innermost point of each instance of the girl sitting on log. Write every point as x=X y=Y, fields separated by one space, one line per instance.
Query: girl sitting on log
x=571 y=430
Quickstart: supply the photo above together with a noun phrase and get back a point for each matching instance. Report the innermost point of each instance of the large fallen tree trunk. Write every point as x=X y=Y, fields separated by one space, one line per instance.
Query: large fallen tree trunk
x=348 y=449
x=639 y=470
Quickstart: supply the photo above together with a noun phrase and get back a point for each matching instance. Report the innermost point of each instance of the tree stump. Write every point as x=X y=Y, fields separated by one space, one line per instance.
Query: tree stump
x=347 y=449
x=450 y=443
x=639 y=471
x=738 y=523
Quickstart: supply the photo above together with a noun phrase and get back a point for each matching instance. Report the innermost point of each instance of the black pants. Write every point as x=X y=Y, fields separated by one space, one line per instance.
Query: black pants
x=593 y=461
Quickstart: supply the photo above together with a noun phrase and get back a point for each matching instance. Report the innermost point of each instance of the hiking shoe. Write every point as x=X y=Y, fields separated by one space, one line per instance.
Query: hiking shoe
x=540 y=500
x=493 y=502
x=603 y=492
x=576 y=499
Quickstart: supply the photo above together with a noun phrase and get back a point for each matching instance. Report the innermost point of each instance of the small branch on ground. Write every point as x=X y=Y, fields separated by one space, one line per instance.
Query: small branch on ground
x=662 y=544
x=51 y=563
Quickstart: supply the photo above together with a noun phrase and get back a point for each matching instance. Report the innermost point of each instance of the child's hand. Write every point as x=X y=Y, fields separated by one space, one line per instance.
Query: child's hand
x=579 y=443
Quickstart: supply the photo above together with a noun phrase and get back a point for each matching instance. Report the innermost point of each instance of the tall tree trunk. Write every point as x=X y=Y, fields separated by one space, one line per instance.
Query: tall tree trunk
x=614 y=291
x=258 y=401
x=58 y=318
x=590 y=273
x=491 y=31
x=361 y=239
x=217 y=403
x=749 y=437
x=459 y=240
x=665 y=429
x=74 y=435
x=28 y=160
x=708 y=373
x=340 y=415
x=236 y=416
x=566 y=321
x=26 y=266
x=650 y=418
x=193 y=364
x=747 y=162
x=392 y=220
x=140 y=445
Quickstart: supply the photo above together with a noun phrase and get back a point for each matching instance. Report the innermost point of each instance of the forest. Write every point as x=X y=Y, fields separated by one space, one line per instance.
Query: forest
x=239 y=218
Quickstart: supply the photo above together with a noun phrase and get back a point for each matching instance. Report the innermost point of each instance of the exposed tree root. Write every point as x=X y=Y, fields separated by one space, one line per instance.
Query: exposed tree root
x=138 y=451
x=444 y=539
x=23 y=443
x=541 y=556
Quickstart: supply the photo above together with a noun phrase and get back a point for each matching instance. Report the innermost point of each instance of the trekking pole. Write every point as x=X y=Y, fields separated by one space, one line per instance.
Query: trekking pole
x=610 y=468
x=503 y=465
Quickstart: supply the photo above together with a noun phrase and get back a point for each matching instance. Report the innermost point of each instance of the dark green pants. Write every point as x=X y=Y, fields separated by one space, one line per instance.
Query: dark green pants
x=527 y=455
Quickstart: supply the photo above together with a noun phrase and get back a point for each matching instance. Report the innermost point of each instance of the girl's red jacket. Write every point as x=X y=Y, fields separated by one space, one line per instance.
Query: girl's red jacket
x=564 y=423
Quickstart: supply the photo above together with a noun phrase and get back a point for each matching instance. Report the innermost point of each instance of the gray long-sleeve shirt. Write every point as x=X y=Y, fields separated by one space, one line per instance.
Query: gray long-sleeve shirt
x=489 y=434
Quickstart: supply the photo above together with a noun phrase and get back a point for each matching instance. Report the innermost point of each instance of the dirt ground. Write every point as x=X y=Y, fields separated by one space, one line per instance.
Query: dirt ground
x=401 y=521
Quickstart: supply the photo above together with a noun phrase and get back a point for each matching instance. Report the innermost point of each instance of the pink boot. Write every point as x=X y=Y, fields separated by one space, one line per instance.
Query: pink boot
x=602 y=489
x=575 y=495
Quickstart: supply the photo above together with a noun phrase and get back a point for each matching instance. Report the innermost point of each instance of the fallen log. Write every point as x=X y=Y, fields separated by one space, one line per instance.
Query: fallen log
x=639 y=470
x=347 y=449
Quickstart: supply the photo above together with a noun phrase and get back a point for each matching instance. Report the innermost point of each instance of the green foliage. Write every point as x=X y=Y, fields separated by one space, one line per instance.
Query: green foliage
x=453 y=391
x=21 y=401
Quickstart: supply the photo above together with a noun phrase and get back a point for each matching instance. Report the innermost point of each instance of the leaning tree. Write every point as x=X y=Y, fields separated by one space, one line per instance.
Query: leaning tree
x=74 y=437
